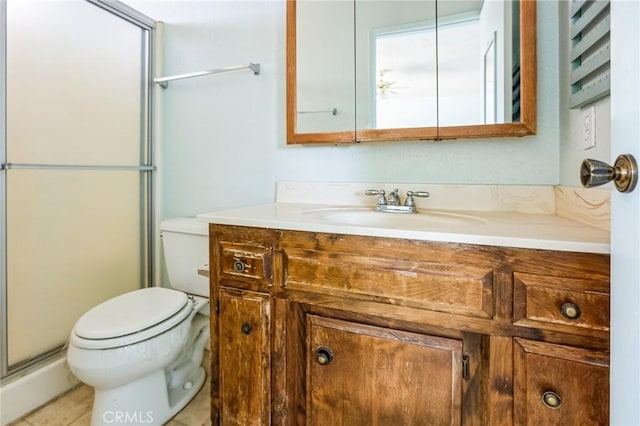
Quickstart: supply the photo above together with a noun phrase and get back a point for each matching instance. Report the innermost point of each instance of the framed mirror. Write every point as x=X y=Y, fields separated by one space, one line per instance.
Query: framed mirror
x=387 y=70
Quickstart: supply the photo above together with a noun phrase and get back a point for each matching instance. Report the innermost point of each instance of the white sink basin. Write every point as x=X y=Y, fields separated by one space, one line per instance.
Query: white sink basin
x=368 y=217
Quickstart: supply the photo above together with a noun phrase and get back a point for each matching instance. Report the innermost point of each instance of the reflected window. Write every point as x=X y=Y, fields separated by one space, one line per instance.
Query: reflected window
x=411 y=91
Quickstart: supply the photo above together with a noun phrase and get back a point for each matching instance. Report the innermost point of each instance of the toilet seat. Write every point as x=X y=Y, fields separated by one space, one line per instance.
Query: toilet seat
x=131 y=318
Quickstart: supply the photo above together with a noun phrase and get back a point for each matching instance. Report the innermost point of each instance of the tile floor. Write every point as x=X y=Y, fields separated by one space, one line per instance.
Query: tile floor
x=74 y=408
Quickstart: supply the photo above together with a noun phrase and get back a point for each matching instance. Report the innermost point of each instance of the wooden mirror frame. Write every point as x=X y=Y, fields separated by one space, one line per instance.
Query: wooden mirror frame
x=528 y=97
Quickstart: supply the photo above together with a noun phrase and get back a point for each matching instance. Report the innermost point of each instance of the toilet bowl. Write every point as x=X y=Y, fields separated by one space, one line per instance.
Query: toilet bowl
x=142 y=351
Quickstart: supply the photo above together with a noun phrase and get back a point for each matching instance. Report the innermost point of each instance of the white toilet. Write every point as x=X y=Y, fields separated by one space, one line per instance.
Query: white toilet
x=142 y=351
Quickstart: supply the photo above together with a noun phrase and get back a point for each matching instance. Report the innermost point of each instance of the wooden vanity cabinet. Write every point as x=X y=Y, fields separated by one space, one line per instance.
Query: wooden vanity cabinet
x=318 y=329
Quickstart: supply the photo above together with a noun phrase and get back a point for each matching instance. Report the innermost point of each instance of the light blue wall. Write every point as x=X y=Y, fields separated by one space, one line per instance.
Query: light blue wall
x=223 y=141
x=572 y=150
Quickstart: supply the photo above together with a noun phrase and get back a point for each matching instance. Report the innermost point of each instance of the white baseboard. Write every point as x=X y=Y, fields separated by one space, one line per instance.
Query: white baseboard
x=24 y=394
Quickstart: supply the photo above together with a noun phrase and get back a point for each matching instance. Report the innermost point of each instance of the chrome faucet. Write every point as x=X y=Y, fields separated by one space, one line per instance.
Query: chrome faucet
x=392 y=204
x=393 y=199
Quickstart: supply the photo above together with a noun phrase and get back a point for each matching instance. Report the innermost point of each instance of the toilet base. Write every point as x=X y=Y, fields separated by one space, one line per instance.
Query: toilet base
x=122 y=406
x=181 y=396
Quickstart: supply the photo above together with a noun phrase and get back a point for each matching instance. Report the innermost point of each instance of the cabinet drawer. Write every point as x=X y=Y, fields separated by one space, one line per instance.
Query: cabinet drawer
x=561 y=304
x=459 y=289
x=245 y=263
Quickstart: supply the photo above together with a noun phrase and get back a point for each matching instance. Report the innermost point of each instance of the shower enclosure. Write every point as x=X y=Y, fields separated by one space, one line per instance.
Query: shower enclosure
x=76 y=167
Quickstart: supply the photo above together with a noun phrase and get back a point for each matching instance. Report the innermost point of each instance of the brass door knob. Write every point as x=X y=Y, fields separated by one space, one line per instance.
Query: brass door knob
x=624 y=173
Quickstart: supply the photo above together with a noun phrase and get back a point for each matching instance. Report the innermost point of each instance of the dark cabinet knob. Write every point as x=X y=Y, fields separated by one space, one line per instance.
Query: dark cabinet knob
x=551 y=400
x=246 y=328
x=324 y=355
x=571 y=311
x=239 y=266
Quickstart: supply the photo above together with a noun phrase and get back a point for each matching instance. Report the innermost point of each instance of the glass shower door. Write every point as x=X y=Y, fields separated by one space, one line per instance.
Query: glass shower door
x=78 y=166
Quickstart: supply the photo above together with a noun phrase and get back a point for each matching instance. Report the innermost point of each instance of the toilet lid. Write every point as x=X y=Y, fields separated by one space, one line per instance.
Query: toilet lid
x=130 y=313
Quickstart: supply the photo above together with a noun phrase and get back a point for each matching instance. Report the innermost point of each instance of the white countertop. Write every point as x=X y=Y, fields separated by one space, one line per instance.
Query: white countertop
x=507 y=229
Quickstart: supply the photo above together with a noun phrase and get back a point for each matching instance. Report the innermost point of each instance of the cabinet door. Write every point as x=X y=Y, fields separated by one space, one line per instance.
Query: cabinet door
x=557 y=384
x=365 y=375
x=245 y=358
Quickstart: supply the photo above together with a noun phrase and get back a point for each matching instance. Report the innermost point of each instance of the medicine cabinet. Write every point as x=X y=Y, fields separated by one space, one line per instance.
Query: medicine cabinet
x=391 y=70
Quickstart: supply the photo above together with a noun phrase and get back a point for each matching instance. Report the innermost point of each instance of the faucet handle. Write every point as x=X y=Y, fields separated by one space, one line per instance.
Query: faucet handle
x=410 y=194
x=381 y=199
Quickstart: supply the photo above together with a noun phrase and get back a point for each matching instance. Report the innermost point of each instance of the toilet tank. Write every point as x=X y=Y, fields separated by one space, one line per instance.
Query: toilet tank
x=185 y=243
